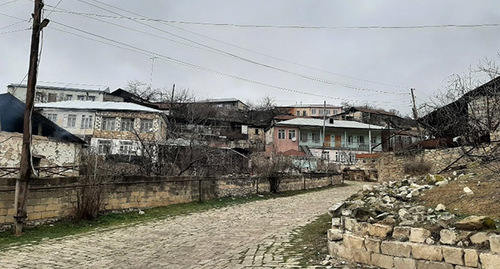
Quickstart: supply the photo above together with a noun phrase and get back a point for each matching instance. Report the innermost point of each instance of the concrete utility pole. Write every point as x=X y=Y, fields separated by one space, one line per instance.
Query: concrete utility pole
x=22 y=184
x=415 y=113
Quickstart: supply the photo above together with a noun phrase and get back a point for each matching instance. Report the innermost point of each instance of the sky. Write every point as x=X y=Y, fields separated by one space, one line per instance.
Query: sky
x=356 y=52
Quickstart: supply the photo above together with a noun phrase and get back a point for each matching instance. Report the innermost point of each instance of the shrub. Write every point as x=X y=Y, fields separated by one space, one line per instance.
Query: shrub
x=417 y=168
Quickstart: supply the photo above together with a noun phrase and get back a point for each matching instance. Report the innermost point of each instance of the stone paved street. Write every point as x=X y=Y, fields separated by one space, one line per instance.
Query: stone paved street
x=251 y=235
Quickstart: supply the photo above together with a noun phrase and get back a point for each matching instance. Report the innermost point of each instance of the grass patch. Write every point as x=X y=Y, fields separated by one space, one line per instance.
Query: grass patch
x=34 y=235
x=310 y=242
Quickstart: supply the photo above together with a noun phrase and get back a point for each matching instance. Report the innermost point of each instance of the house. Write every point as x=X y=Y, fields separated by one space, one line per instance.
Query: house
x=54 y=150
x=340 y=141
x=63 y=92
x=369 y=116
x=475 y=116
x=116 y=128
x=226 y=103
x=311 y=110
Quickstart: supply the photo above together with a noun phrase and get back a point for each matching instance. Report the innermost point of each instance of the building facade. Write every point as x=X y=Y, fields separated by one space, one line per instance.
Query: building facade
x=339 y=142
x=312 y=110
x=109 y=127
x=63 y=92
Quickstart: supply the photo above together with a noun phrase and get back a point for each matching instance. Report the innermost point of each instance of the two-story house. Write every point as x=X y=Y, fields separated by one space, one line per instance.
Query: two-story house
x=116 y=128
x=311 y=110
x=63 y=92
x=334 y=140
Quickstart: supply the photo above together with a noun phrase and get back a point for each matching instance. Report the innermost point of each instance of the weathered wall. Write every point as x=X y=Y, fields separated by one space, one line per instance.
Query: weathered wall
x=53 y=153
x=55 y=197
x=391 y=165
x=403 y=247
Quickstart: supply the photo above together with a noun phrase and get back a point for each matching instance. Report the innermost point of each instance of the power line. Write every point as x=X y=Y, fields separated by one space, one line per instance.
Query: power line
x=302 y=27
x=148 y=53
x=8 y=2
x=325 y=81
x=143 y=18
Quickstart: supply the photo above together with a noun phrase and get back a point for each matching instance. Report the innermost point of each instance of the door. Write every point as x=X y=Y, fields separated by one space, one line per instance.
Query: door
x=338 y=141
x=327 y=141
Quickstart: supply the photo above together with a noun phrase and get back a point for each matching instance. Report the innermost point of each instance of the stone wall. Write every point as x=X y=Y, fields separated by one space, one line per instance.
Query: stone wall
x=56 y=197
x=404 y=247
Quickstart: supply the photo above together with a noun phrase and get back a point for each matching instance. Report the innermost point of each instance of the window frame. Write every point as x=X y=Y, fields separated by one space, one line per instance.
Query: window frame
x=281 y=134
x=108 y=123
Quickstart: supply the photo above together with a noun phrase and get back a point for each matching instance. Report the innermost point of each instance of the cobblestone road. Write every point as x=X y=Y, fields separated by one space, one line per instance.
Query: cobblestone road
x=251 y=235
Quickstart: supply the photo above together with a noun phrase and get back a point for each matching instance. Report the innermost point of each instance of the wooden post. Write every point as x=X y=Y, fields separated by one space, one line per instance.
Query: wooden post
x=25 y=168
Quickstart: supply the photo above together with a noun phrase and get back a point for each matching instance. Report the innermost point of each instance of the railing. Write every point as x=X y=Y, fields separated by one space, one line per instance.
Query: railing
x=45 y=171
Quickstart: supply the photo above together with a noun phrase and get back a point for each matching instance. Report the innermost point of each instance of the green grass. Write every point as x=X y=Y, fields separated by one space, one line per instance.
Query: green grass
x=34 y=235
x=311 y=241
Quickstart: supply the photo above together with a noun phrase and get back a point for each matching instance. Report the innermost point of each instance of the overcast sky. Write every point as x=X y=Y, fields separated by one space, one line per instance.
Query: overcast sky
x=224 y=57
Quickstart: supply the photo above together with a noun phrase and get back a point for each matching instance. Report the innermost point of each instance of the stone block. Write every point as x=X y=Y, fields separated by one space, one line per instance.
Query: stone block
x=361 y=256
x=344 y=252
x=448 y=237
x=354 y=242
x=495 y=243
x=372 y=245
x=50 y=214
x=336 y=222
x=401 y=233
x=361 y=228
x=433 y=265
x=34 y=215
x=481 y=238
x=427 y=252
x=471 y=257
x=335 y=234
x=453 y=255
x=419 y=235
x=489 y=260
x=395 y=248
x=382 y=260
x=464 y=267
x=333 y=248
x=404 y=263
x=379 y=230
x=349 y=223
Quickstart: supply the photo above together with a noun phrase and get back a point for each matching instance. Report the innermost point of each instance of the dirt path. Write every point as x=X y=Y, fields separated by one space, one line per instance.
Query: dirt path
x=251 y=235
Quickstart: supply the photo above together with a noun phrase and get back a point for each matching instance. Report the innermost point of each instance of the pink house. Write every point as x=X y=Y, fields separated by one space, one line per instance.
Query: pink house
x=282 y=140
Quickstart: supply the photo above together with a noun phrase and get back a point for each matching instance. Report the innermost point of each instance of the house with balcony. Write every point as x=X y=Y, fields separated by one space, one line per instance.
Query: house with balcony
x=115 y=128
x=46 y=93
x=333 y=140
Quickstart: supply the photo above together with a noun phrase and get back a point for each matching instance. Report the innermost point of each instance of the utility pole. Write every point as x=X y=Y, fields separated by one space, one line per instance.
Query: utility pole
x=324 y=129
x=22 y=184
x=172 y=101
x=415 y=113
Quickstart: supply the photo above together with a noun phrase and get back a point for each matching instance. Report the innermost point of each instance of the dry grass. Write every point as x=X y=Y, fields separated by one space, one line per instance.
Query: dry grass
x=484 y=201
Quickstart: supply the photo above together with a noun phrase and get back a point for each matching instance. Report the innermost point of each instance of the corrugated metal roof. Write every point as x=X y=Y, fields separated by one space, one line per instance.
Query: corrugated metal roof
x=220 y=100
x=336 y=124
x=65 y=86
x=91 y=105
x=311 y=106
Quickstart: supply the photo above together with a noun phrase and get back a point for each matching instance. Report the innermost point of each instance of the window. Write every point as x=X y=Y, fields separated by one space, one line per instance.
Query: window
x=256 y=131
x=304 y=113
x=374 y=140
x=327 y=112
x=291 y=134
x=126 y=147
x=298 y=113
x=52 y=97
x=146 y=125
x=86 y=122
x=71 y=121
x=91 y=98
x=361 y=139
x=315 y=137
x=350 y=140
x=104 y=146
x=127 y=125
x=335 y=112
x=80 y=97
x=52 y=117
x=313 y=111
x=281 y=134
x=108 y=123
x=303 y=137
x=68 y=97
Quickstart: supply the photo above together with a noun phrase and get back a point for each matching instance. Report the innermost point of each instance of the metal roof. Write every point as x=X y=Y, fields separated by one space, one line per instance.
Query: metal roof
x=311 y=106
x=61 y=86
x=312 y=122
x=93 y=105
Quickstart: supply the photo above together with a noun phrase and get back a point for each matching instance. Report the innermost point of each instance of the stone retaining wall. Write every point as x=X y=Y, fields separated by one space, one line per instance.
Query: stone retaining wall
x=404 y=247
x=54 y=198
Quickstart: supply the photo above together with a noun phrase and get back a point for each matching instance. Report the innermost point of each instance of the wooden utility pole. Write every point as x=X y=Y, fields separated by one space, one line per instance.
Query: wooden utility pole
x=22 y=184
x=415 y=113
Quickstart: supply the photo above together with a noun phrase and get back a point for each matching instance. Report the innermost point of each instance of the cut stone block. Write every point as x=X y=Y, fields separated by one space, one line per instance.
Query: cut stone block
x=495 y=243
x=433 y=265
x=426 y=252
x=419 y=235
x=372 y=245
x=382 y=260
x=448 y=237
x=379 y=230
x=354 y=242
x=406 y=263
x=335 y=235
x=489 y=260
x=401 y=233
x=395 y=248
x=471 y=257
x=453 y=255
